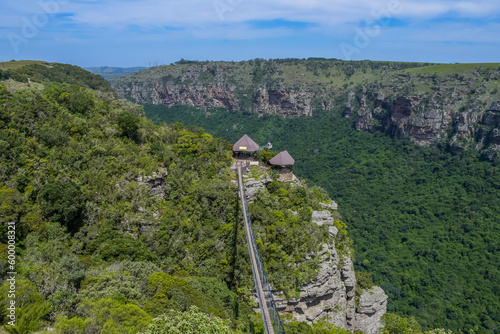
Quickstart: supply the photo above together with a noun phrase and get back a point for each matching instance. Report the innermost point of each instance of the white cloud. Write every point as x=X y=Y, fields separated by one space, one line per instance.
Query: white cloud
x=423 y=10
x=201 y=19
x=189 y=13
x=114 y=13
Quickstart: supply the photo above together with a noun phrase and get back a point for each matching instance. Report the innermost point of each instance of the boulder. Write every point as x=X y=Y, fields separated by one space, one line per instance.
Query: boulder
x=332 y=205
x=372 y=306
x=322 y=217
x=252 y=186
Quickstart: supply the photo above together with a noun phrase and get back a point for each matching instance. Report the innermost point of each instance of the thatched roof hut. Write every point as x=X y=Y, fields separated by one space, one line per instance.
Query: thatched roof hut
x=282 y=159
x=245 y=144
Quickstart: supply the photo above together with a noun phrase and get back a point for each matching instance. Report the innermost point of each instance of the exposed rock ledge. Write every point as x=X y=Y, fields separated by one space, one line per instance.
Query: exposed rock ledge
x=372 y=305
x=155 y=182
x=330 y=296
x=252 y=186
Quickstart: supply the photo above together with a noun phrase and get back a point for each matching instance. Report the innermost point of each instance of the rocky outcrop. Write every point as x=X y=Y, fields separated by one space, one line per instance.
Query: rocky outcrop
x=155 y=182
x=372 y=305
x=265 y=101
x=405 y=118
x=451 y=107
x=451 y=112
x=322 y=217
x=331 y=295
x=210 y=85
x=252 y=186
x=282 y=102
x=495 y=106
x=203 y=97
x=332 y=205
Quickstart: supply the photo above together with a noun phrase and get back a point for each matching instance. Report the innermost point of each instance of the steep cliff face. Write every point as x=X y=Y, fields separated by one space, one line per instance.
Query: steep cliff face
x=225 y=86
x=455 y=105
x=331 y=295
x=458 y=111
x=282 y=102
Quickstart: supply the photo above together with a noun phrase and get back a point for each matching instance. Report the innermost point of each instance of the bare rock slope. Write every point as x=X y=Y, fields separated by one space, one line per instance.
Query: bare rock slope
x=331 y=295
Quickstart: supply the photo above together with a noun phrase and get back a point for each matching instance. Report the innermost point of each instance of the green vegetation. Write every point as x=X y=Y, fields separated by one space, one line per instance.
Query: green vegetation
x=382 y=94
x=14 y=65
x=98 y=251
x=190 y=322
x=327 y=76
x=296 y=327
x=41 y=72
x=447 y=69
x=30 y=307
x=394 y=324
x=424 y=222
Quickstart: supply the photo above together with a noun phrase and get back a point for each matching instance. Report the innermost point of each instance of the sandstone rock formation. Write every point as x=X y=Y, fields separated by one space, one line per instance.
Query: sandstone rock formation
x=332 y=205
x=322 y=217
x=451 y=113
x=331 y=296
x=282 y=102
x=252 y=186
x=214 y=86
x=457 y=110
x=372 y=305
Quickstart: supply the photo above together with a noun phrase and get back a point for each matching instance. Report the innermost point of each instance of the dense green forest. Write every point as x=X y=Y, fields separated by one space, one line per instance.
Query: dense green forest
x=98 y=252
x=425 y=223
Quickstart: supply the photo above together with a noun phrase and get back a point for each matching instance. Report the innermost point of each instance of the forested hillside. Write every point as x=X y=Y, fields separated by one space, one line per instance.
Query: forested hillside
x=425 y=222
x=118 y=221
x=42 y=72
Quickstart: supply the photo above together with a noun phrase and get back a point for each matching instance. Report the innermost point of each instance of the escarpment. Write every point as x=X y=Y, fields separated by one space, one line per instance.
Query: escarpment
x=459 y=112
x=456 y=106
x=217 y=86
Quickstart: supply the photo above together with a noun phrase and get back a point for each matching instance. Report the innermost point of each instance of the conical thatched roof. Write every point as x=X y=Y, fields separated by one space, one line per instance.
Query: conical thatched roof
x=282 y=159
x=245 y=144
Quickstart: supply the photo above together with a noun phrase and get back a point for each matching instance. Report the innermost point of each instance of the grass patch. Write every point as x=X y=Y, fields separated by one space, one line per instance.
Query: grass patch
x=15 y=64
x=447 y=69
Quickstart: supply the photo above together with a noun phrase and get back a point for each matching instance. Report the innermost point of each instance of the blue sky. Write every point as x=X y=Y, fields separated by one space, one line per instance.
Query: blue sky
x=147 y=32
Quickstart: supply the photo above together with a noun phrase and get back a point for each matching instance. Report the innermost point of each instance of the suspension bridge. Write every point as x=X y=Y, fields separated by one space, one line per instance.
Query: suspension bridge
x=270 y=315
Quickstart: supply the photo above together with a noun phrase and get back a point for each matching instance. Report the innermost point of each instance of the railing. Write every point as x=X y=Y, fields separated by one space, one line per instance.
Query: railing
x=270 y=315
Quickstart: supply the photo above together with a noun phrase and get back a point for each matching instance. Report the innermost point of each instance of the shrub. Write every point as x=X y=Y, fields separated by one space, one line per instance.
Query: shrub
x=192 y=321
x=129 y=123
x=61 y=202
x=105 y=316
x=394 y=324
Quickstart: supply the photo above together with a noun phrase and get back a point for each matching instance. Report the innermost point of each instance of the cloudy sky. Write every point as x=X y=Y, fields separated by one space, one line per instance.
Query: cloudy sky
x=149 y=32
